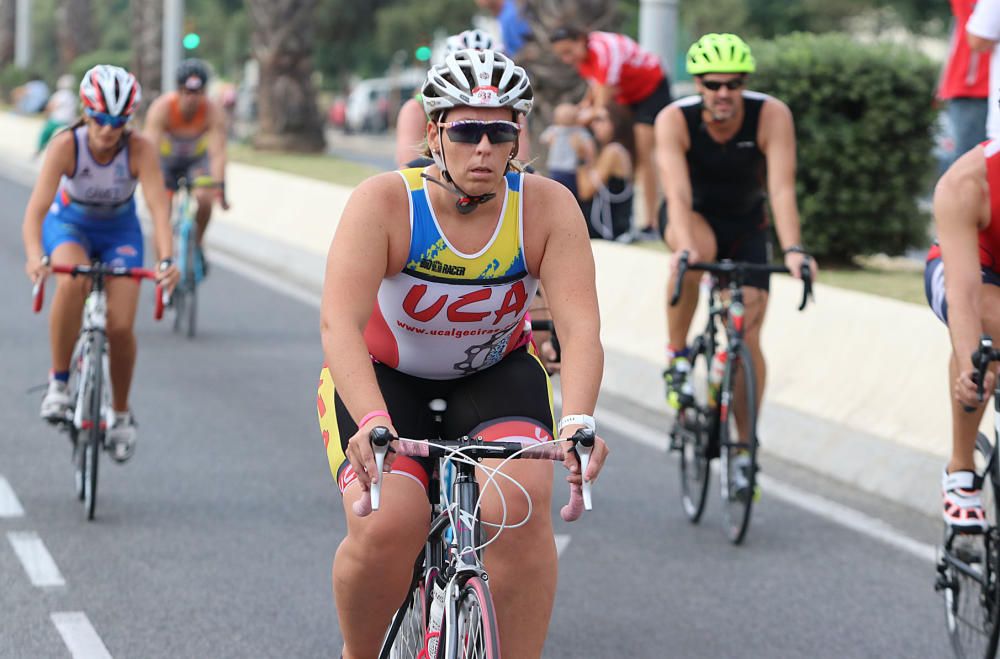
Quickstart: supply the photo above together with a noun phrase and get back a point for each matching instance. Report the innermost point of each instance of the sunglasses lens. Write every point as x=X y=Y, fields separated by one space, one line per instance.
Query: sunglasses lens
x=105 y=119
x=716 y=85
x=472 y=132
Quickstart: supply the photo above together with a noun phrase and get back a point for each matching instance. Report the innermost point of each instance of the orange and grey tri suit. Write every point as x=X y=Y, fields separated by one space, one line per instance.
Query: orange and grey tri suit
x=184 y=147
x=450 y=326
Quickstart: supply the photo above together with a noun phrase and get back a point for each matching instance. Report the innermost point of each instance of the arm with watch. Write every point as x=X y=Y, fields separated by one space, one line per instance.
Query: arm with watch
x=155 y=192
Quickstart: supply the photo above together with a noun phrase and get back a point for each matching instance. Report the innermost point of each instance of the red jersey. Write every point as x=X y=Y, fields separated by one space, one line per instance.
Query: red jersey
x=989 y=238
x=615 y=60
x=966 y=74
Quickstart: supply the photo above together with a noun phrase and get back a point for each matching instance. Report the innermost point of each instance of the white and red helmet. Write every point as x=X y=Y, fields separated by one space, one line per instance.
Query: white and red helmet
x=110 y=89
x=479 y=79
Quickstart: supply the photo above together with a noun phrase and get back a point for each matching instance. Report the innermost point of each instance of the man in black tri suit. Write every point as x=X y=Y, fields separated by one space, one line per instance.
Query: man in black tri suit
x=722 y=155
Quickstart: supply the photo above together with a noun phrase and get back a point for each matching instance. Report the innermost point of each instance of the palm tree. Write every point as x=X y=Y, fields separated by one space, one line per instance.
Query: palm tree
x=75 y=30
x=282 y=43
x=6 y=32
x=147 y=46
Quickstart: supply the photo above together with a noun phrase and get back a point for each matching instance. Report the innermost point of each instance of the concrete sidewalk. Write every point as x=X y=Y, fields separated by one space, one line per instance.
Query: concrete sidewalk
x=857 y=383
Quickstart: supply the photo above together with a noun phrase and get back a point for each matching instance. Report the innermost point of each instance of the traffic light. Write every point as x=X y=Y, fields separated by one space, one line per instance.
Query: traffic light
x=423 y=53
x=191 y=40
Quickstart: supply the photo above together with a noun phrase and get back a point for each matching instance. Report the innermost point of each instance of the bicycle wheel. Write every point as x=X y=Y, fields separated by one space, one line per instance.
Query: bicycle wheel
x=968 y=575
x=738 y=450
x=190 y=294
x=76 y=384
x=475 y=634
x=92 y=435
x=693 y=428
x=405 y=637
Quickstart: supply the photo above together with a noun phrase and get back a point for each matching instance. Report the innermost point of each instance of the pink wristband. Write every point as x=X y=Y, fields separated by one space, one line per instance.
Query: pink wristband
x=372 y=415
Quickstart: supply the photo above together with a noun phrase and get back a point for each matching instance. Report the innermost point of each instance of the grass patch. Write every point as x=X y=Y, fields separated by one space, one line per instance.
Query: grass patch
x=314 y=166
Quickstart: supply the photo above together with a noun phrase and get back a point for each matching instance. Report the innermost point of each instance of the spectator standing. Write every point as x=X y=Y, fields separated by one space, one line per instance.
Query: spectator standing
x=982 y=33
x=60 y=111
x=965 y=83
x=619 y=70
x=513 y=28
x=559 y=137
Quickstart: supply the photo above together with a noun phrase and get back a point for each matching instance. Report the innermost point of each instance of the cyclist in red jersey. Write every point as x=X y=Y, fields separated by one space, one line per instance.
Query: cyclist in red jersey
x=619 y=70
x=967 y=217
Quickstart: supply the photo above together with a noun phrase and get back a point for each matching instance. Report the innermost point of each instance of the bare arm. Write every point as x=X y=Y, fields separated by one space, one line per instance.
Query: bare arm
x=568 y=273
x=411 y=130
x=959 y=199
x=777 y=140
x=147 y=164
x=602 y=95
x=671 y=156
x=613 y=160
x=156 y=124
x=216 y=142
x=979 y=44
x=58 y=161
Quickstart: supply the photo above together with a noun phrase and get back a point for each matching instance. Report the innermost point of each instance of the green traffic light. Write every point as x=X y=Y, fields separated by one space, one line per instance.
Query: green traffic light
x=423 y=53
x=191 y=40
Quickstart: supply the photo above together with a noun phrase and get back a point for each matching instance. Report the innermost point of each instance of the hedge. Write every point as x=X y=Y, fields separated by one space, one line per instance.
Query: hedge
x=864 y=119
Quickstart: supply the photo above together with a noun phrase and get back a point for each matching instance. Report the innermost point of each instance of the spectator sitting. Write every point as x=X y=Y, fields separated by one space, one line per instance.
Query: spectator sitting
x=31 y=97
x=562 y=160
x=60 y=110
x=604 y=177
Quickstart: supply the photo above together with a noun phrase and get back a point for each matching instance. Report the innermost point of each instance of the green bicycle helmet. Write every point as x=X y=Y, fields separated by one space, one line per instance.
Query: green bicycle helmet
x=719 y=53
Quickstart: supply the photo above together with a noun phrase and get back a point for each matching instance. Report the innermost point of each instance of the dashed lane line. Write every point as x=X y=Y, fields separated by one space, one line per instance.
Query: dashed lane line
x=9 y=505
x=36 y=559
x=79 y=635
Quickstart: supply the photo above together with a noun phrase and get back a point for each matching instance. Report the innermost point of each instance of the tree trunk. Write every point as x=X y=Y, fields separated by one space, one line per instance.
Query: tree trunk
x=147 y=47
x=6 y=32
x=75 y=30
x=282 y=43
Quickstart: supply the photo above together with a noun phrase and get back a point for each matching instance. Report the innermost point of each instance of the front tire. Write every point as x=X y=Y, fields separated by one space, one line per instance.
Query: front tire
x=475 y=634
x=693 y=428
x=93 y=435
x=738 y=453
x=972 y=608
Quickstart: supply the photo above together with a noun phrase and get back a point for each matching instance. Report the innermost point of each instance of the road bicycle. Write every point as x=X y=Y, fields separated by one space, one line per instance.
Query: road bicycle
x=448 y=611
x=89 y=382
x=184 y=300
x=969 y=564
x=718 y=417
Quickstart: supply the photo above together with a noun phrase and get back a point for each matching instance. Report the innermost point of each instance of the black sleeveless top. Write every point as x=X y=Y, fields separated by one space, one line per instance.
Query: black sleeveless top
x=727 y=179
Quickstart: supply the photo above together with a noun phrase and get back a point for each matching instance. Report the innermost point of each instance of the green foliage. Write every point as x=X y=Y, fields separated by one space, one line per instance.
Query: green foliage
x=10 y=77
x=84 y=62
x=864 y=120
x=405 y=25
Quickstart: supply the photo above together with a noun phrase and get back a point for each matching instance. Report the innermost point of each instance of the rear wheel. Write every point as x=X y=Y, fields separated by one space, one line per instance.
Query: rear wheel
x=475 y=632
x=968 y=575
x=738 y=444
x=693 y=433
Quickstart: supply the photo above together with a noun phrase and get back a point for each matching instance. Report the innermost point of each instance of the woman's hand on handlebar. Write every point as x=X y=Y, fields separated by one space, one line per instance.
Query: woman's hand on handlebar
x=598 y=455
x=168 y=277
x=37 y=267
x=362 y=457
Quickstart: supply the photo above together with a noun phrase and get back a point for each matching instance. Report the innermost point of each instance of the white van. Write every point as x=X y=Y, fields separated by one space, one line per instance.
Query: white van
x=373 y=103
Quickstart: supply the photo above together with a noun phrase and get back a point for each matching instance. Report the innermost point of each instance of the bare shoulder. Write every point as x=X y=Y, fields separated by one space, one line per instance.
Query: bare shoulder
x=548 y=201
x=669 y=118
x=966 y=176
x=157 y=109
x=61 y=151
x=378 y=199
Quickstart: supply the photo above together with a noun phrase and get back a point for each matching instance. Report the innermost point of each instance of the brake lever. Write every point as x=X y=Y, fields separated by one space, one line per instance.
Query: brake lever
x=682 y=267
x=807 y=289
x=583 y=446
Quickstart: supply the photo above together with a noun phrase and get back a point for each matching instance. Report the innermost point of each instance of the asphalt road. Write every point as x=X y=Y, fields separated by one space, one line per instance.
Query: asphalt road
x=216 y=539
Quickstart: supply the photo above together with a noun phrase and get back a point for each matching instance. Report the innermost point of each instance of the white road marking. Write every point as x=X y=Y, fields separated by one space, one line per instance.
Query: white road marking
x=79 y=635
x=35 y=558
x=562 y=541
x=656 y=438
x=9 y=505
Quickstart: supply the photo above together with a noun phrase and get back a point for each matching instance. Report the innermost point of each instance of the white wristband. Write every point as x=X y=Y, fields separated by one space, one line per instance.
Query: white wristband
x=584 y=420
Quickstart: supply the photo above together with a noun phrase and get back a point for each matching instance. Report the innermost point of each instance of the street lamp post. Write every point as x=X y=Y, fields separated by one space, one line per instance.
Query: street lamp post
x=658 y=30
x=173 y=24
x=22 y=34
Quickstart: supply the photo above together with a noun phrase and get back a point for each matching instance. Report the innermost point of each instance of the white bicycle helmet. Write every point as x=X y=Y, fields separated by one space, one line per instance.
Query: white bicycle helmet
x=110 y=89
x=478 y=79
x=475 y=39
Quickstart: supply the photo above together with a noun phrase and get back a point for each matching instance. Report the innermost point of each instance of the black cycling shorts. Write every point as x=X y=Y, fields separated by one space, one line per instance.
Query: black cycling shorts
x=645 y=111
x=744 y=238
x=512 y=398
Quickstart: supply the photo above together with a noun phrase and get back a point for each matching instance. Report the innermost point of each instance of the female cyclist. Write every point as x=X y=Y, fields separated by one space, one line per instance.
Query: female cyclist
x=428 y=279
x=83 y=208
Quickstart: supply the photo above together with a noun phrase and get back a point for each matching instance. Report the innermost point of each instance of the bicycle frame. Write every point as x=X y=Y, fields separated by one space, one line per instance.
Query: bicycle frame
x=95 y=319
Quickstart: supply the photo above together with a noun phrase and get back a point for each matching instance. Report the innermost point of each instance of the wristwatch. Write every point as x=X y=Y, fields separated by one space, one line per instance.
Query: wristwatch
x=584 y=420
x=796 y=249
x=165 y=264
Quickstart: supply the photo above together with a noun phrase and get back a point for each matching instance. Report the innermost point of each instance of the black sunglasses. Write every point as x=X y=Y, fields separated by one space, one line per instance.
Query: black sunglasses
x=716 y=85
x=471 y=131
